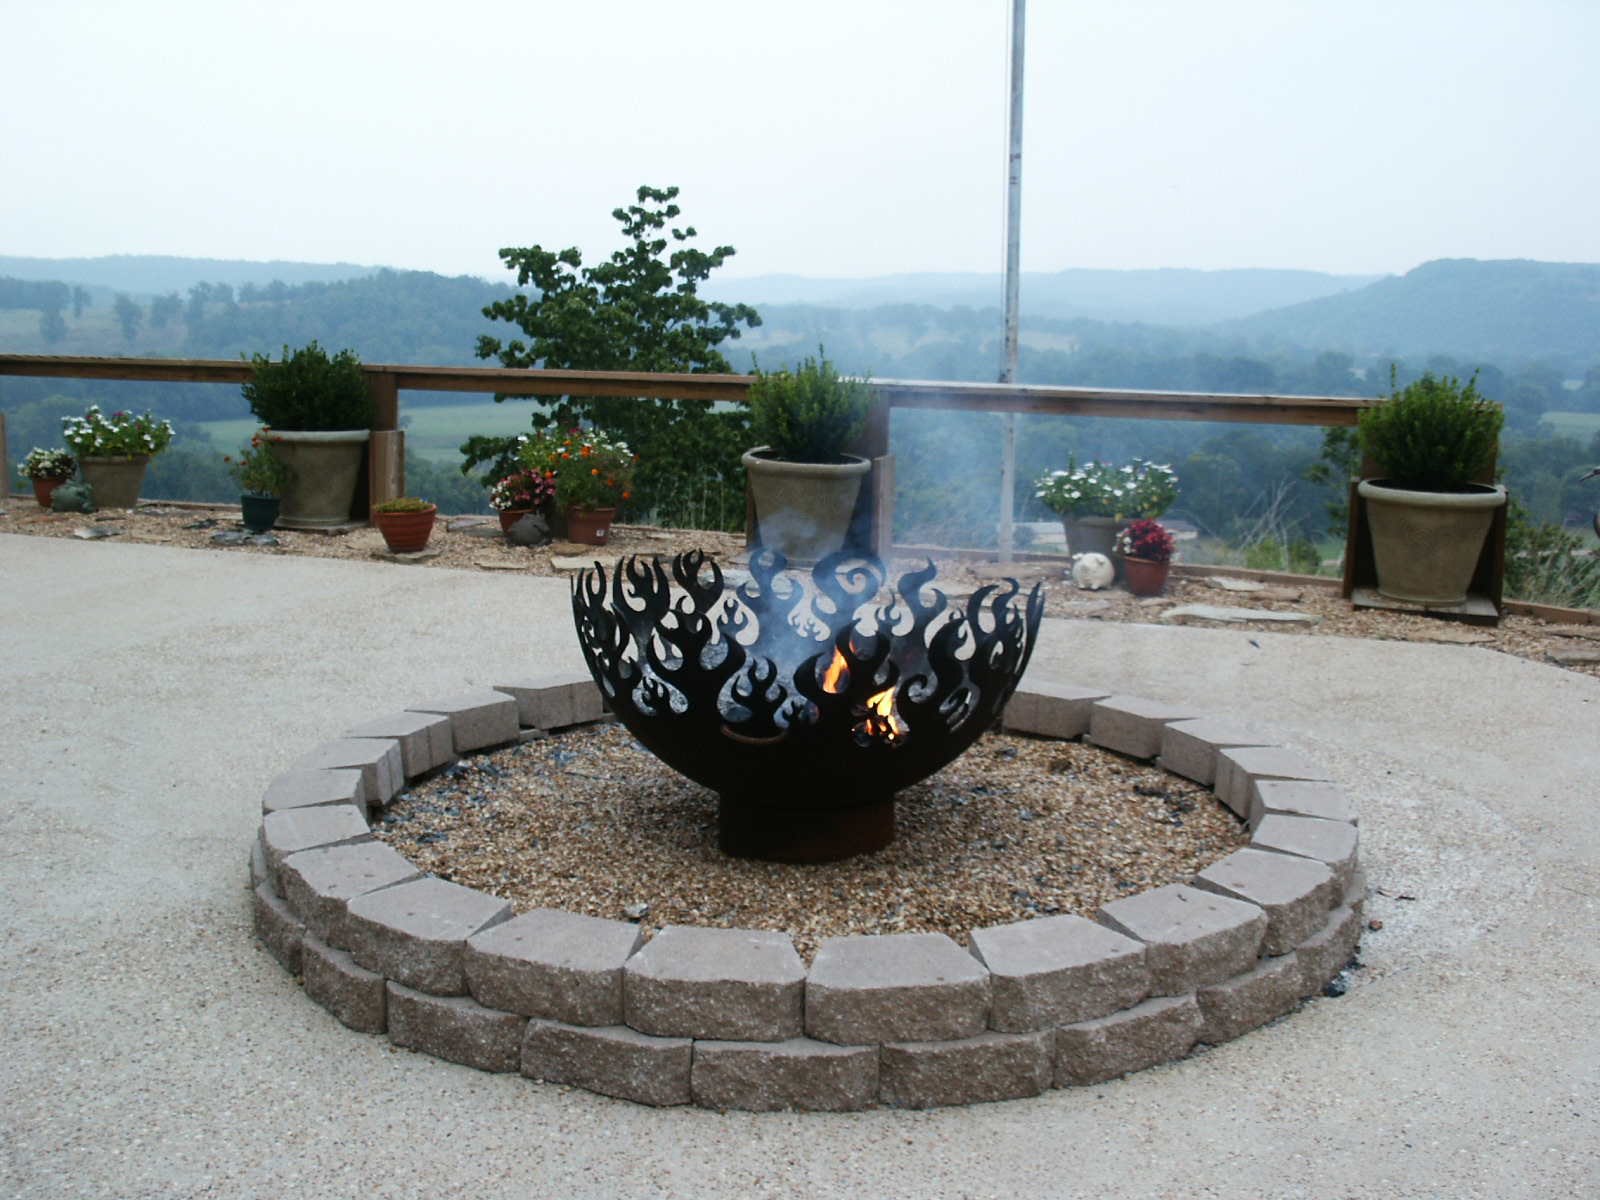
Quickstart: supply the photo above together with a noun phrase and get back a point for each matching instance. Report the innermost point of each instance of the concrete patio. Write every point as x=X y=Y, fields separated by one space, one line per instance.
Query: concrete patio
x=152 y=1048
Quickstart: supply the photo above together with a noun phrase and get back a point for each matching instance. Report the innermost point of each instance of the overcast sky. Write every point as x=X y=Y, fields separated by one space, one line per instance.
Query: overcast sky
x=819 y=138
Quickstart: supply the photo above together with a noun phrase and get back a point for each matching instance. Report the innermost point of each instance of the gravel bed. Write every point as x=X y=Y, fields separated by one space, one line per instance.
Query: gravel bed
x=1017 y=827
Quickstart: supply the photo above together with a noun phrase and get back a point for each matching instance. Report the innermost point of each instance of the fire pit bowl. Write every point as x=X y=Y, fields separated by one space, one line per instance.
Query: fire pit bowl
x=805 y=701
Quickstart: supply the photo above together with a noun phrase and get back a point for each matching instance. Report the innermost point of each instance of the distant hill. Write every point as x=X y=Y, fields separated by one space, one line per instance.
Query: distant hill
x=1510 y=311
x=146 y=275
x=1158 y=297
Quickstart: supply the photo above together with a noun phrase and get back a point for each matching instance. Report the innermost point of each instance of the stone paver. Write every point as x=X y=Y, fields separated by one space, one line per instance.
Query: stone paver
x=612 y=1060
x=1156 y=1031
x=977 y=1070
x=799 y=1073
x=557 y=965
x=1235 y=1006
x=1131 y=725
x=416 y=933
x=1053 y=710
x=1057 y=970
x=425 y=739
x=898 y=987
x=280 y=930
x=296 y=829
x=1325 y=953
x=303 y=788
x=1331 y=842
x=378 y=760
x=346 y=989
x=455 y=1028
x=1297 y=798
x=553 y=700
x=478 y=720
x=1295 y=893
x=1189 y=748
x=319 y=884
x=1194 y=938
x=728 y=984
x=1238 y=769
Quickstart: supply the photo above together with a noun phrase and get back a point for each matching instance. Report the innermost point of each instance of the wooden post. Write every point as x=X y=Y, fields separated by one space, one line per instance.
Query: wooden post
x=5 y=459
x=386 y=450
x=882 y=505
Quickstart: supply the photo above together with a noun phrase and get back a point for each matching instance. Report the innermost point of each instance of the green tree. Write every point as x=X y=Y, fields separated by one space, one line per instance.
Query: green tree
x=164 y=309
x=51 y=326
x=80 y=301
x=636 y=311
x=129 y=314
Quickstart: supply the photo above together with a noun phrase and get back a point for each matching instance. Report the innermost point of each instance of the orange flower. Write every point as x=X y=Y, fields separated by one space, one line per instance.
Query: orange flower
x=594 y=470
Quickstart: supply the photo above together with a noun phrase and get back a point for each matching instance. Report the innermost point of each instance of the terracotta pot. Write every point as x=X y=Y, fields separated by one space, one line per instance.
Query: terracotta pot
x=1145 y=576
x=44 y=487
x=1426 y=544
x=260 y=513
x=325 y=467
x=405 y=532
x=803 y=510
x=590 y=526
x=510 y=516
x=114 y=482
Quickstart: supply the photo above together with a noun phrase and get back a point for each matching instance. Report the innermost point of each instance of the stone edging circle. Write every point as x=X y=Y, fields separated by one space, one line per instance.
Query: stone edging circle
x=731 y=1019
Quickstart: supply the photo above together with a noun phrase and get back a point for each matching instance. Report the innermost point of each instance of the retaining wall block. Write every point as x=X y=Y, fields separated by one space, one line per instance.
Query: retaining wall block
x=306 y=787
x=795 y=1074
x=378 y=759
x=455 y=1028
x=279 y=929
x=1331 y=842
x=426 y=741
x=1235 y=1006
x=296 y=829
x=319 y=884
x=1299 y=798
x=1131 y=725
x=1237 y=769
x=1057 y=970
x=587 y=702
x=557 y=965
x=1355 y=893
x=1194 y=938
x=736 y=985
x=899 y=987
x=1325 y=953
x=1053 y=710
x=258 y=865
x=1189 y=748
x=1295 y=893
x=477 y=719
x=976 y=1070
x=416 y=933
x=612 y=1060
x=548 y=701
x=1155 y=1031
x=342 y=986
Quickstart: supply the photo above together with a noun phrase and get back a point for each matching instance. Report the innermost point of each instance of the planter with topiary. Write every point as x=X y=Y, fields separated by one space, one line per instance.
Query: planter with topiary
x=406 y=523
x=1428 y=515
x=319 y=411
x=803 y=483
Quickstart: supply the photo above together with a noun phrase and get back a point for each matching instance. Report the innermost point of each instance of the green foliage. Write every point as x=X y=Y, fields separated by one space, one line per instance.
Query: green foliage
x=405 y=504
x=48 y=464
x=308 y=391
x=590 y=469
x=809 y=415
x=95 y=435
x=636 y=311
x=129 y=315
x=1336 y=466
x=1098 y=489
x=1548 y=564
x=258 y=471
x=1433 y=435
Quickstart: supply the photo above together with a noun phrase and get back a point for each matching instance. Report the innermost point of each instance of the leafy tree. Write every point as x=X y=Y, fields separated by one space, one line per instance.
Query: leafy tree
x=636 y=311
x=51 y=326
x=129 y=315
x=198 y=295
x=163 y=309
x=80 y=301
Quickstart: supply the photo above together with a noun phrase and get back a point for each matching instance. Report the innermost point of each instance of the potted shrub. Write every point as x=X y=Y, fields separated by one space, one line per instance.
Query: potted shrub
x=320 y=411
x=1145 y=549
x=1097 y=500
x=47 y=470
x=804 y=484
x=593 y=474
x=406 y=523
x=1428 y=516
x=114 y=451
x=262 y=477
x=525 y=490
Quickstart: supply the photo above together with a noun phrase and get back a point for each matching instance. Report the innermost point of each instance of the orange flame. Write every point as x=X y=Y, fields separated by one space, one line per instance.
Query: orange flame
x=833 y=677
x=884 y=722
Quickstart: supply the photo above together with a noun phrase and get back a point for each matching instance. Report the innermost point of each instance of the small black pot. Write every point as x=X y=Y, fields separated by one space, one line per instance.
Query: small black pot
x=260 y=512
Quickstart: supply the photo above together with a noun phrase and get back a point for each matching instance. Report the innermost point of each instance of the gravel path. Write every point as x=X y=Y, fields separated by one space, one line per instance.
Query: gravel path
x=153 y=1049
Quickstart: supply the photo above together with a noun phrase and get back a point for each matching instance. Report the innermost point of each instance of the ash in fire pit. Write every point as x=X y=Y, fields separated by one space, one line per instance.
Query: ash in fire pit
x=804 y=703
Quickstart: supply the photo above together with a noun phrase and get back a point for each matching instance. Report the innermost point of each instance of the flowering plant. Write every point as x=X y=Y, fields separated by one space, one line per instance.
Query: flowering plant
x=591 y=469
x=525 y=488
x=48 y=464
x=257 y=470
x=95 y=436
x=1097 y=489
x=1145 y=539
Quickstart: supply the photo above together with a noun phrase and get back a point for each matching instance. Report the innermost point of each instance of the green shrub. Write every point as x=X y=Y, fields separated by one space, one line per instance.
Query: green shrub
x=810 y=415
x=308 y=391
x=1545 y=564
x=404 y=504
x=1433 y=435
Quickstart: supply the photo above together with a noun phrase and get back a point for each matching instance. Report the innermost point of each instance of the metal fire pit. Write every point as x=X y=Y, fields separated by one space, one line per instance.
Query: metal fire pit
x=805 y=708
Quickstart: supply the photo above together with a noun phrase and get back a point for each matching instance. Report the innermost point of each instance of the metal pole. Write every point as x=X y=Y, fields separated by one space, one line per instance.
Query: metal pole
x=1008 y=369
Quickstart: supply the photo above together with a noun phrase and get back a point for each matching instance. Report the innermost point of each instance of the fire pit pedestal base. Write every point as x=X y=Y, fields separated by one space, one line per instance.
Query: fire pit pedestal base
x=803 y=835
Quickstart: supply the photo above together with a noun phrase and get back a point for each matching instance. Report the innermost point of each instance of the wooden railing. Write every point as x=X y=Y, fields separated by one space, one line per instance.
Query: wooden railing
x=387 y=454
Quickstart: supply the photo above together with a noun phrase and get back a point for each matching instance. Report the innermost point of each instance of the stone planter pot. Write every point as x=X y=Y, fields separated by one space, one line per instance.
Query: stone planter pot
x=1092 y=535
x=803 y=510
x=590 y=526
x=405 y=532
x=44 y=487
x=1144 y=576
x=1426 y=544
x=325 y=469
x=114 y=482
x=260 y=513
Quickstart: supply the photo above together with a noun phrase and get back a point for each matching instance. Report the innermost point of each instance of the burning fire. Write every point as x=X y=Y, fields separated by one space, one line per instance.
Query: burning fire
x=882 y=721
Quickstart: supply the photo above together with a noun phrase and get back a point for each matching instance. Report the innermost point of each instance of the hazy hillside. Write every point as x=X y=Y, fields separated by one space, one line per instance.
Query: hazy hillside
x=1510 y=311
x=1161 y=297
x=147 y=275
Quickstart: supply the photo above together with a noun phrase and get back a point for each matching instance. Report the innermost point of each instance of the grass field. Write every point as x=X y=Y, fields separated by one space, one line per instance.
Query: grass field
x=434 y=432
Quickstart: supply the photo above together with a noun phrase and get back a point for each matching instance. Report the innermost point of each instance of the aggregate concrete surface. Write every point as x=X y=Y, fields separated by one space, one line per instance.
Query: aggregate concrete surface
x=152 y=1048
